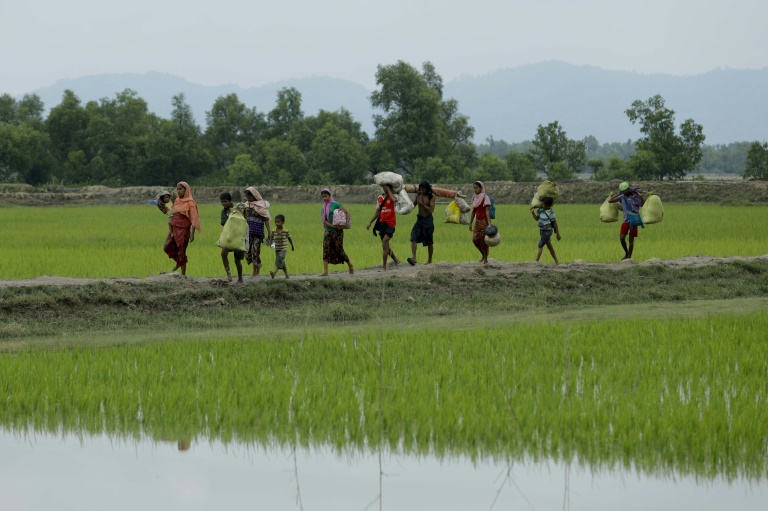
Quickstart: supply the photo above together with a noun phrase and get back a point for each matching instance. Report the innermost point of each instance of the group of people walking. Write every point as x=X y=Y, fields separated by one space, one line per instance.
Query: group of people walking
x=184 y=221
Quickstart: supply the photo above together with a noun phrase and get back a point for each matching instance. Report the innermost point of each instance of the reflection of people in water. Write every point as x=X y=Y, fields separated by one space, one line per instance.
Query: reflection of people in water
x=183 y=444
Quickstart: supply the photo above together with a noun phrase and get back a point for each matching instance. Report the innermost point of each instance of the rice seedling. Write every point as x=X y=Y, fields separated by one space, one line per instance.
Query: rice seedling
x=674 y=396
x=123 y=241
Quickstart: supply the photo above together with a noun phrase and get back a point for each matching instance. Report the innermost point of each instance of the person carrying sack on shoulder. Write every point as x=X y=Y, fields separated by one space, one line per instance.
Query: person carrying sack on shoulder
x=630 y=201
x=386 y=221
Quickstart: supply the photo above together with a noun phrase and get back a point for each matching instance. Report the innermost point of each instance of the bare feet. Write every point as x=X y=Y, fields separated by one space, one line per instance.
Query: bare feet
x=324 y=274
x=351 y=270
x=272 y=274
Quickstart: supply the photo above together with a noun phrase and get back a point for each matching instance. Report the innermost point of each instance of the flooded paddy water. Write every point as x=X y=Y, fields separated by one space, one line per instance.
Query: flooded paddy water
x=95 y=473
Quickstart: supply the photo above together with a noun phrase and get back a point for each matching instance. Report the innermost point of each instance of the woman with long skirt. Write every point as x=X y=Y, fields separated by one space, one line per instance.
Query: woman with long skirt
x=183 y=224
x=256 y=212
x=333 y=240
x=481 y=217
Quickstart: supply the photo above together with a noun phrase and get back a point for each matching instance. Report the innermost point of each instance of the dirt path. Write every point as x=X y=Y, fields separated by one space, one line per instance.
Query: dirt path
x=403 y=271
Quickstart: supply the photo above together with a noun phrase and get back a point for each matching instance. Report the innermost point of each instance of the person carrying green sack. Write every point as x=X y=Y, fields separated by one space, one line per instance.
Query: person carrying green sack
x=227 y=210
x=630 y=200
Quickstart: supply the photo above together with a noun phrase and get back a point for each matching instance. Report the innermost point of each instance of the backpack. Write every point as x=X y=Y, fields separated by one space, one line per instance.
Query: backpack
x=492 y=208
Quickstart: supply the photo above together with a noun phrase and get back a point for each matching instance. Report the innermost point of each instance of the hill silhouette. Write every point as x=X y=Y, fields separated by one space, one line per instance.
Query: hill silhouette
x=507 y=104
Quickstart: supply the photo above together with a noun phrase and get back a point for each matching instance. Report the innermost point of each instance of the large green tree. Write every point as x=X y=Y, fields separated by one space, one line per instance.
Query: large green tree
x=673 y=154
x=232 y=129
x=417 y=123
x=551 y=145
x=757 y=161
x=66 y=125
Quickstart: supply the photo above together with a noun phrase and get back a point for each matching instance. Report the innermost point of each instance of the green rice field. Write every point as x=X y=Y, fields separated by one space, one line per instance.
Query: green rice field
x=684 y=396
x=122 y=241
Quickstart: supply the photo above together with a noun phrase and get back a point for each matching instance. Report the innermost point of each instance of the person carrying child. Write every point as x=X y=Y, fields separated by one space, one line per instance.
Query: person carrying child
x=183 y=224
x=547 y=223
x=424 y=228
x=386 y=220
x=238 y=255
x=280 y=239
x=630 y=200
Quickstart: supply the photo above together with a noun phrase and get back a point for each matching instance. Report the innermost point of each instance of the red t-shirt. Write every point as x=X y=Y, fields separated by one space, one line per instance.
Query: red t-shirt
x=480 y=213
x=387 y=211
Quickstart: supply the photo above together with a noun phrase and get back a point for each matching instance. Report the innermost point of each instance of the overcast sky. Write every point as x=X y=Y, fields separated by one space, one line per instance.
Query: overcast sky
x=252 y=42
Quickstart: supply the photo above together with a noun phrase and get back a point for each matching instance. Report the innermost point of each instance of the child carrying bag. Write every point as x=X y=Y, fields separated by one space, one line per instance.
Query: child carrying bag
x=234 y=233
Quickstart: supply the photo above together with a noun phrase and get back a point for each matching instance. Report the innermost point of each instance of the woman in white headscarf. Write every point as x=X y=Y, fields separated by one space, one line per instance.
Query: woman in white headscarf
x=256 y=212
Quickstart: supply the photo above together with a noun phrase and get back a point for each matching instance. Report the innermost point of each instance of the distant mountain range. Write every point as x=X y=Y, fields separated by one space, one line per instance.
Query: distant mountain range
x=731 y=105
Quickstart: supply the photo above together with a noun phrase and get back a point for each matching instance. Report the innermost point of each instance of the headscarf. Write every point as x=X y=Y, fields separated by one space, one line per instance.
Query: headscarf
x=326 y=205
x=480 y=199
x=259 y=205
x=188 y=207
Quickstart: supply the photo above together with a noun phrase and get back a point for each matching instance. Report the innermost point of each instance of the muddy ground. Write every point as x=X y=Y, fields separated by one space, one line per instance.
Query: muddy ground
x=404 y=272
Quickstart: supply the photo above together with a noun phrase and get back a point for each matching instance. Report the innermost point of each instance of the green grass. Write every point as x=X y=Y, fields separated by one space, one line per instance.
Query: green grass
x=122 y=241
x=684 y=395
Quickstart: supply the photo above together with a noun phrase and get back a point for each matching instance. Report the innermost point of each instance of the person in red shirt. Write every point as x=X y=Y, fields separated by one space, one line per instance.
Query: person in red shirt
x=386 y=220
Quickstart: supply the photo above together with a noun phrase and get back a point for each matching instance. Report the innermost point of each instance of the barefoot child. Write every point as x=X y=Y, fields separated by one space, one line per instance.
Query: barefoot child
x=547 y=222
x=280 y=239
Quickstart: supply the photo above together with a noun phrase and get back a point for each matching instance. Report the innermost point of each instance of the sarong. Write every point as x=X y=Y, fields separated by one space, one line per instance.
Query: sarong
x=333 y=247
x=478 y=236
x=178 y=239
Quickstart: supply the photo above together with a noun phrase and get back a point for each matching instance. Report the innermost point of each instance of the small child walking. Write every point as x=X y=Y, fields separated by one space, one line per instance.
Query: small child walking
x=280 y=239
x=547 y=222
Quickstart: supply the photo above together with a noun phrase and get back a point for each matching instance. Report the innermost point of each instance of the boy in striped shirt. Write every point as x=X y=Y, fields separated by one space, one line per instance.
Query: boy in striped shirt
x=280 y=239
x=547 y=223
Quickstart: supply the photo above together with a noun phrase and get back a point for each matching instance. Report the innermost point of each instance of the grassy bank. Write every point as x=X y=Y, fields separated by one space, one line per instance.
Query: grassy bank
x=109 y=313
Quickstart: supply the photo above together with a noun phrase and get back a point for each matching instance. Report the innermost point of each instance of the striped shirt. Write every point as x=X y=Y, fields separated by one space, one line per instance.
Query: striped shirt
x=546 y=217
x=280 y=238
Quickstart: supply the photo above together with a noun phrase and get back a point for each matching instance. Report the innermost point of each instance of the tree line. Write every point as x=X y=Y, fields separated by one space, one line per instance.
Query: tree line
x=417 y=131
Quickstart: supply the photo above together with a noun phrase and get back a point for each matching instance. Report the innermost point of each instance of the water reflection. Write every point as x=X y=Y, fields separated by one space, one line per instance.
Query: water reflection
x=100 y=472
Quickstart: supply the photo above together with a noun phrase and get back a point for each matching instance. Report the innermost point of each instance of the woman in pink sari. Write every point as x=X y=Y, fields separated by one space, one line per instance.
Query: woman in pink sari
x=183 y=223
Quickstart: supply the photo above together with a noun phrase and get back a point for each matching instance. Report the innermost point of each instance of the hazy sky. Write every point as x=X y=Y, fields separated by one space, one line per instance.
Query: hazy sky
x=250 y=43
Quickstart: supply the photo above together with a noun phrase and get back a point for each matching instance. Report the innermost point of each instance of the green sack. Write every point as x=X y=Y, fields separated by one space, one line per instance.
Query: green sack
x=536 y=202
x=652 y=211
x=548 y=189
x=609 y=211
x=234 y=233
